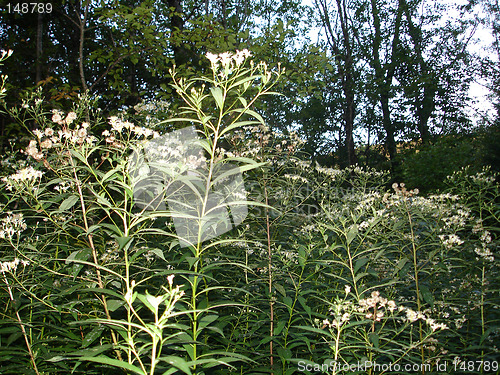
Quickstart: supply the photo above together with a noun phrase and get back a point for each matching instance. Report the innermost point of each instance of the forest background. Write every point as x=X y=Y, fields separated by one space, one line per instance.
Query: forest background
x=384 y=84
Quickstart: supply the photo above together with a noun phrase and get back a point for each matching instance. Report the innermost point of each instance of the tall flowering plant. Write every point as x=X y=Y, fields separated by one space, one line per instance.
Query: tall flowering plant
x=102 y=255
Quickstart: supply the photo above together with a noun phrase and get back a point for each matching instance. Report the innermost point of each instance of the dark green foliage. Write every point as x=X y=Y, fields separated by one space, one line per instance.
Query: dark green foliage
x=426 y=166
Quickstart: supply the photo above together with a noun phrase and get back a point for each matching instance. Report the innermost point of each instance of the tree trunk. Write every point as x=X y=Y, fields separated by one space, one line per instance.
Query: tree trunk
x=181 y=55
x=390 y=141
x=83 y=23
x=345 y=66
x=348 y=85
x=39 y=34
x=385 y=74
x=425 y=96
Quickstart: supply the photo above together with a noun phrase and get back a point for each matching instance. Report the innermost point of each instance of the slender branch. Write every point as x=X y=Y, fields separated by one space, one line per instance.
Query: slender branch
x=23 y=330
x=94 y=254
x=270 y=281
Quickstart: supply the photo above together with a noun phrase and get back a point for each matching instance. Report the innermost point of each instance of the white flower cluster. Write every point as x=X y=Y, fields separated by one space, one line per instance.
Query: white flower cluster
x=58 y=117
x=24 y=176
x=176 y=155
x=113 y=137
x=331 y=172
x=342 y=313
x=483 y=178
x=228 y=59
x=6 y=54
x=413 y=316
x=32 y=150
x=62 y=187
x=402 y=191
x=450 y=240
x=367 y=200
x=12 y=225
x=444 y=197
x=111 y=252
x=295 y=177
x=375 y=306
x=12 y=266
x=288 y=256
x=49 y=138
x=485 y=239
x=458 y=219
x=484 y=252
x=367 y=173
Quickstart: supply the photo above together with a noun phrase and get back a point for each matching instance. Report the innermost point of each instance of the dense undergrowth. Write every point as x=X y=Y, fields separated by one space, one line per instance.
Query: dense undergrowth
x=302 y=268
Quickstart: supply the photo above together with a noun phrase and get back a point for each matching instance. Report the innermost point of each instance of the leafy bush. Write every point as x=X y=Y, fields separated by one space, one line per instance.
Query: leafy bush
x=427 y=166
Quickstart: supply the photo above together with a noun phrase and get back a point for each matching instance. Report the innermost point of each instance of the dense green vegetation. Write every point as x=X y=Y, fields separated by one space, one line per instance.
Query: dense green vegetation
x=172 y=202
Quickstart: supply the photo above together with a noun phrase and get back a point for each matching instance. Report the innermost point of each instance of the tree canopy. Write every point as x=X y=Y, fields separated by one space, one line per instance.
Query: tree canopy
x=358 y=73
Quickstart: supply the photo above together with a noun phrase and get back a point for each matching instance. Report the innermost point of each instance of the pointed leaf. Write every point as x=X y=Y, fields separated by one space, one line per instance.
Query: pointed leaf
x=178 y=363
x=68 y=203
x=217 y=94
x=113 y=362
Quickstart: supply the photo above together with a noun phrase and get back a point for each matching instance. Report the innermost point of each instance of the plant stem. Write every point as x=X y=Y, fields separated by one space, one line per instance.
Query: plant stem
x=417 y=288
x=270 y=281
x=23 y=330
x=94 y=255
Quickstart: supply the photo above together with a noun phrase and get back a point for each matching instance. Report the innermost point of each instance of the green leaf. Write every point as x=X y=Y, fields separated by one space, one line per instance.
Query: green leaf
x=374 y=339
x=315 y=330
x=102 y=200
x=79 y=255
x=400 y=265
x=92 y=336
x=113 y=362
x=360 y=263
x=279 y=327
x=206 y=320
x=426 y=295
x=241 y=82
x=114 y=304
x=280 y=289
x=238 y=124
x=288 y=302
x=158 y=253
x=236 y=170
x=304 y=305
x=256 y=115
x=57 y=358
x=111 y=173
x=123 y=242
x=150 y=301
x=302 y=256
x=217 y=94
x=78 y=155
x=68 y=203
x=243 y=101
x=284 y=353
x=13 y=337
x=178 y=363
x=351 y=234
